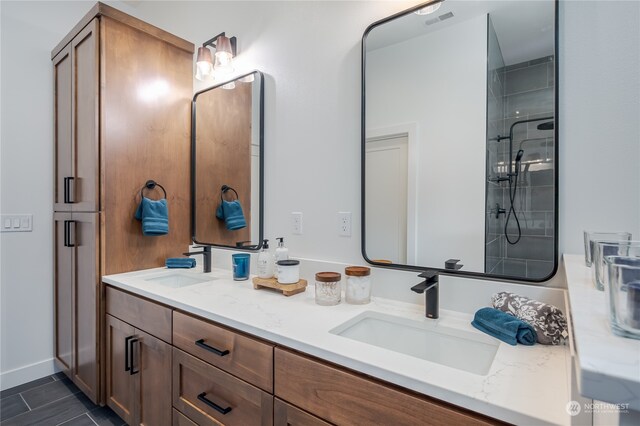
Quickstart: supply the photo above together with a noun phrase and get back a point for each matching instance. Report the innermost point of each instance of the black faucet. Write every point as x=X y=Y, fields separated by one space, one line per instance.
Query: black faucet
x=430 y=289
x=206 y=255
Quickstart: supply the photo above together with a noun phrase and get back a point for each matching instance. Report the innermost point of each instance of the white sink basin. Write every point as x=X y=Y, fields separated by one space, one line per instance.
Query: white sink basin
x=457 y=348
x=178 y=279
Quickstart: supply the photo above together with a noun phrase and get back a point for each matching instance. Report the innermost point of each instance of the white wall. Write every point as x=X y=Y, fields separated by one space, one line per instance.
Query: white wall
x=310 y=53
x=28 y=32
x=599 y=138
x=438 y=83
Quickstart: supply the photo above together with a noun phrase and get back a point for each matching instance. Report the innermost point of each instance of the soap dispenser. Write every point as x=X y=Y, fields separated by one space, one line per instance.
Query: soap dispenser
x=265 y=261
x=282 y=253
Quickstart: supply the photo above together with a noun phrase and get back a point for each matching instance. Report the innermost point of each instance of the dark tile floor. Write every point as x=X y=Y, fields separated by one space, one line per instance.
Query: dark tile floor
x=52 y=400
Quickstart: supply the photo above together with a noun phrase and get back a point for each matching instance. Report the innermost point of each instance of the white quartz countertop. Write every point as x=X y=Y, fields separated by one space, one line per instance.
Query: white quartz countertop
x=525 y=385
x=609 y=365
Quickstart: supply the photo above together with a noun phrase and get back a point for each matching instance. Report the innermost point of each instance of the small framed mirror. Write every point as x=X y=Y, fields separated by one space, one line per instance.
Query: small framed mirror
x=460 y=139
x=227 y=159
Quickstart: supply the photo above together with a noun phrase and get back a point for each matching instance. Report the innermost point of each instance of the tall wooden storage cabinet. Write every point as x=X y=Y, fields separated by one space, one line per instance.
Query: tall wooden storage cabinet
x=122 y=94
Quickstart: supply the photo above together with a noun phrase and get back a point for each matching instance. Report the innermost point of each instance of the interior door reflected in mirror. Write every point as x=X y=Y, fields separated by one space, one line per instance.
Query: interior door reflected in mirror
x=227 y=145
x=459 y=143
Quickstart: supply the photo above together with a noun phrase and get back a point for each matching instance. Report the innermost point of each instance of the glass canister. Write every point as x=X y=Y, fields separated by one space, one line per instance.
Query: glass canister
x=358 y=285
x=328 y=289
x=623 y=286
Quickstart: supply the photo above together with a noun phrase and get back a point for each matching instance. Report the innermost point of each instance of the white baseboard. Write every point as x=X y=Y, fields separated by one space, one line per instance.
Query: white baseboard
x=27 y=373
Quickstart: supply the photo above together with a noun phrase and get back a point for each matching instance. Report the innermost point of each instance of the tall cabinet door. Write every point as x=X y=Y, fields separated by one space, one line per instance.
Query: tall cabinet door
x=63 y=291
x=85 y=236
x=153 y=383
x=120 y=381
x=85 y=185
x=62 y=133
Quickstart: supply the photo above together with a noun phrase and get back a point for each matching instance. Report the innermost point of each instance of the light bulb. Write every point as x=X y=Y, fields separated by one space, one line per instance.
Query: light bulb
x=427 y=10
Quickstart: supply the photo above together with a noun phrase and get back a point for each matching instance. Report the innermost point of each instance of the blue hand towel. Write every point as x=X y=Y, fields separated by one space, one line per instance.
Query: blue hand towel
x=154 y=216
x=180 y=262
x=505 y=327
x=231 y=213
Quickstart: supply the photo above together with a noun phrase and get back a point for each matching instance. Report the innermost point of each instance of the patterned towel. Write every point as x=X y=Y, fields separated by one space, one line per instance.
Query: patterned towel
x=549 y=322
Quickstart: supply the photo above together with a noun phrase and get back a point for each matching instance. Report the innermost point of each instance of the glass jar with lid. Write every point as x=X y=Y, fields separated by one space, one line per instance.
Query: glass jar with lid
x=328 y=289
x=358 y=290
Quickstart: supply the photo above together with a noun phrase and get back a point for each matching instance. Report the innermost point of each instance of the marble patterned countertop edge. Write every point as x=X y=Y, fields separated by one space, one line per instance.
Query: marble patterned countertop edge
x=512 y=391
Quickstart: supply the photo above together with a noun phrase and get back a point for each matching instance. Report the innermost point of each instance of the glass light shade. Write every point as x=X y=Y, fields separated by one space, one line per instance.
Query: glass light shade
x=204 y=65
x=224 y=56
x=427 y=10
x=223 y=47
x=223 y=65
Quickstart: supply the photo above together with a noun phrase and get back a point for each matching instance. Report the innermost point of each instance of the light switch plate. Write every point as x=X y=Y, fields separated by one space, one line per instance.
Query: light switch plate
x=16 y=223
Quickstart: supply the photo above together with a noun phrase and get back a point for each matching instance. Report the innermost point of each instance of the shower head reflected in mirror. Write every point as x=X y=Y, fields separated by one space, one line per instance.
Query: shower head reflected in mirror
x=549 y=125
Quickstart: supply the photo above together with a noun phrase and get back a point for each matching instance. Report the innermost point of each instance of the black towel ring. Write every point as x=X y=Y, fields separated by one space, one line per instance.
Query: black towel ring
x=151 y=184
x=224 y=190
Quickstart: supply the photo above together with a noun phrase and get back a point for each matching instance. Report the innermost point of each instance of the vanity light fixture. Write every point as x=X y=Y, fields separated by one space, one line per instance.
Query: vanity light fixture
x=429 y=9
x=222 y=61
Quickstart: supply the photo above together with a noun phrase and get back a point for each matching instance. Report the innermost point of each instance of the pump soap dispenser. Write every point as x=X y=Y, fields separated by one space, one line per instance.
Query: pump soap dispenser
x=282 y=253
x=265 y=261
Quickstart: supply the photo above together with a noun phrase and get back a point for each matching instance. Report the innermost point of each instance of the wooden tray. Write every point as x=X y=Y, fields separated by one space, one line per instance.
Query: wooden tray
x=286 y=289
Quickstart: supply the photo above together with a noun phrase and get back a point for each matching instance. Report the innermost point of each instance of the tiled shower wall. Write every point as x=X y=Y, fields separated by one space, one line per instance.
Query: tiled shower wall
x=494 y=245
x=528 y=92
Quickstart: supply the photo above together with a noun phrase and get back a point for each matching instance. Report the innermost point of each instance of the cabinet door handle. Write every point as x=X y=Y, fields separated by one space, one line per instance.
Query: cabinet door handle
x=218 y=352
x=67 y=233
x=213 y=405
x=131 y=354
x=127 y=356
x=67 y=190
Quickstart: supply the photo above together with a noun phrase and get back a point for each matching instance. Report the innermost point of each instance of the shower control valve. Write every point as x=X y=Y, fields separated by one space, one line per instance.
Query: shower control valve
x=498 y=211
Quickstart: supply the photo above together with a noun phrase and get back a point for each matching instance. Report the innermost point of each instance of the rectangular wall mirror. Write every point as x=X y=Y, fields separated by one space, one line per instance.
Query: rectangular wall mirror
x=460 y=138
x=227 y=163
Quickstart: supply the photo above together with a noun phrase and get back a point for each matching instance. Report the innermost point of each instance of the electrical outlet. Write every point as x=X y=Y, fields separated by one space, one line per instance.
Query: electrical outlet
x=344 y=224
x=296 y=223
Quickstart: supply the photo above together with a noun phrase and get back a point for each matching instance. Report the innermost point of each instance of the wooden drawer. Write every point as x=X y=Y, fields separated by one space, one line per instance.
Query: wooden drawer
x=197 y=386
x=180 y=419
x=342 y=397
x=151 y=317
x=287 y=415
x=247 y=358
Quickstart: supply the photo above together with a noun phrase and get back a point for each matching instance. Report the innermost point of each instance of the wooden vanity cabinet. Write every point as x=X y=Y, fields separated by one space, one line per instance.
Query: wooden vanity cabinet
x=287 y=415
x=138 y=379
x=344 y=397
x=122 y=105
x=216 y=368
x=166 y=367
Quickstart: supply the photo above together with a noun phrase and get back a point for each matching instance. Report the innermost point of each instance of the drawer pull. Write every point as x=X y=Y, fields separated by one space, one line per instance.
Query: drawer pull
x=213 y=405
x=203 y=345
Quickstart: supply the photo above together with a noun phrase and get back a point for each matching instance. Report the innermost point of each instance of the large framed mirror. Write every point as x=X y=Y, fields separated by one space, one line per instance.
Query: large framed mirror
x=460 y=138
x=227 y=159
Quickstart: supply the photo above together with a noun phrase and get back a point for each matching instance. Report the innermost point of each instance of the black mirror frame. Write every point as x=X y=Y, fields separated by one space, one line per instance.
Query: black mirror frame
x=469 y=274
x=253 y=248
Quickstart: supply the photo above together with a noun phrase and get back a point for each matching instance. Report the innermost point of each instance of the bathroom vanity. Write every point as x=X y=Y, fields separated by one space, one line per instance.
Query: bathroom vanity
x=289 y=361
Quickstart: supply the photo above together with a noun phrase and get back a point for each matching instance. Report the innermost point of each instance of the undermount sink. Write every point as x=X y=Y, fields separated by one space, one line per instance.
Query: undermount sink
x=428 y=340
x=178 y=280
